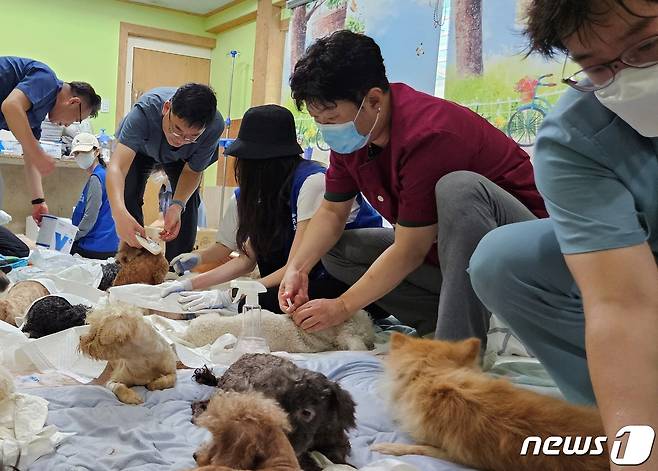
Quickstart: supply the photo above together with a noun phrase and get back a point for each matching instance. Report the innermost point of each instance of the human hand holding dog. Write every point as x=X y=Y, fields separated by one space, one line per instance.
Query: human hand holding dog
x=293 y=290
x=127 y=226
x=320 y=314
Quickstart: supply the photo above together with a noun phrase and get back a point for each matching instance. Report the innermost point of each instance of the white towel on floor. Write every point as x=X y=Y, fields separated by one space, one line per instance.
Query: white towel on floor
x=24 y=436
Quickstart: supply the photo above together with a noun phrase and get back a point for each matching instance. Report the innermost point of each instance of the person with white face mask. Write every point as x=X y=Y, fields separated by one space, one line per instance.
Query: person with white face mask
x=97 y=237
x=581 y=288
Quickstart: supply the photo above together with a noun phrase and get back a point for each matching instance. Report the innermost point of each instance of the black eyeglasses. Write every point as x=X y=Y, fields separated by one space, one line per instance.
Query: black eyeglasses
x=188 y=140
x=79 y=112
x=597 y=77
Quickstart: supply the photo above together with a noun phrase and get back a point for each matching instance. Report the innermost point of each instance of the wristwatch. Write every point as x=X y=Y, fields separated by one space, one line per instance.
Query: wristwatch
x=38 y=201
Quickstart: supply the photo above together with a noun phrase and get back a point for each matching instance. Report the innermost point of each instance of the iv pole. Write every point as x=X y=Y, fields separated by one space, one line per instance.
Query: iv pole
x=226 y=141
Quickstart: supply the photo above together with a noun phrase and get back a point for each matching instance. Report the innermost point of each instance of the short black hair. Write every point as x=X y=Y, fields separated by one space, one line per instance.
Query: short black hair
x=87 y=93
x=341 y=66
x=550 y=21
x=195 y=103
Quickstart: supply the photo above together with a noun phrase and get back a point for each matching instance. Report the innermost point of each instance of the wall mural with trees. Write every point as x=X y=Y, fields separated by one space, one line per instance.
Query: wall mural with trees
x=487 y=69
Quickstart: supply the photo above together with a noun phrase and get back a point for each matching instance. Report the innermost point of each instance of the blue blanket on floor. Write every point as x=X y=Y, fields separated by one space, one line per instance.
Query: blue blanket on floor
x=158 y=435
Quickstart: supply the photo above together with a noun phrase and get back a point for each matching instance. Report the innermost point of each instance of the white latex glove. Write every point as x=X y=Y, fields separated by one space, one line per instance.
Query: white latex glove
x=176 y=287
x=185 y=262
x=199 y=300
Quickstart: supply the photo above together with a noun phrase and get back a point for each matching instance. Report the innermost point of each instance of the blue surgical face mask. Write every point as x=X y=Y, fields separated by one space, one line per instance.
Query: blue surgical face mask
x=344 y=138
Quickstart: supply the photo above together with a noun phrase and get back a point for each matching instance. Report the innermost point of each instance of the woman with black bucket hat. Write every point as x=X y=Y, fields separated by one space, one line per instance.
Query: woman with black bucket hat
x=279 y=193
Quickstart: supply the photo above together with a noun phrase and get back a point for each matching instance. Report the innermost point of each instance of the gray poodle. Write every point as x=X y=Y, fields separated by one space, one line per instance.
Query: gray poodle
x=320 y=411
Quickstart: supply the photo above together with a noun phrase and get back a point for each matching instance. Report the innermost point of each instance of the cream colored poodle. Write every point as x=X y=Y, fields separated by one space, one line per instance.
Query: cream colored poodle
x=283 y=335
x=138 y=355
x=19 y=298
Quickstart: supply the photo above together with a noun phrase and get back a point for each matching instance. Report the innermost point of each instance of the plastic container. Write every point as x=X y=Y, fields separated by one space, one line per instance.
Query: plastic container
x=56 y=233
x=251 y=339
x=105 y=141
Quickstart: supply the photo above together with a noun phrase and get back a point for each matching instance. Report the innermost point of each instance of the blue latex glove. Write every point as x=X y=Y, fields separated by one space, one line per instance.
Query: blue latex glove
x=185 y=262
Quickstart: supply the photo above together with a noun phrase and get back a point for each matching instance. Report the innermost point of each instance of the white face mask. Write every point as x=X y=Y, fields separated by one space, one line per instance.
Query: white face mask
x=85 y=159
x=633 y=96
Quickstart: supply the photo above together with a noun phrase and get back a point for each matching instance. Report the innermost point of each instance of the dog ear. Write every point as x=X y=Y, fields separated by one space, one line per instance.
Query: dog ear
x=116 y=329
x=343 y=405
x=398 y=340
x=468 y=350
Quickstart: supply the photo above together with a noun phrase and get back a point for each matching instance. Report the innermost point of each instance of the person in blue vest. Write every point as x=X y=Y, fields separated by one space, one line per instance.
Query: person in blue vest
x=97 y=236
x=278 y=195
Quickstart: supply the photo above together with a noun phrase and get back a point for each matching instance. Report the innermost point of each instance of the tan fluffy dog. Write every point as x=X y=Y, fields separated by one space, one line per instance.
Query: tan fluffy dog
x=248 y=433
x=138 y=265
x=19 y=298
x=457 y=413
x=138 y=355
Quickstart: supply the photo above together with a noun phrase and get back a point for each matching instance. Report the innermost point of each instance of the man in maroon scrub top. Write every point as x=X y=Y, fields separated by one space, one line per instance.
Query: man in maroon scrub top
x=438 y=172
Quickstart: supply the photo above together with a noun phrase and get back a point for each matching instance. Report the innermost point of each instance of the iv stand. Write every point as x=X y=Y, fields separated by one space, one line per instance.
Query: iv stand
x=225 y=141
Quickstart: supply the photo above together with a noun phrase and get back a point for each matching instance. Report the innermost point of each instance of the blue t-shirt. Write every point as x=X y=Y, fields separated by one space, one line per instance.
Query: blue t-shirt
x=36 y=80
x=598 y=176
x=141 y=131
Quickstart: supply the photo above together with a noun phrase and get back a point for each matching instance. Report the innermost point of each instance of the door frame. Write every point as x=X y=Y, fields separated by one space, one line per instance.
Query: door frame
x=129 y=31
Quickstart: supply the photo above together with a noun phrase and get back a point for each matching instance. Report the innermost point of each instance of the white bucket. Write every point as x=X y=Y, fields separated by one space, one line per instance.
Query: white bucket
x=56 y=234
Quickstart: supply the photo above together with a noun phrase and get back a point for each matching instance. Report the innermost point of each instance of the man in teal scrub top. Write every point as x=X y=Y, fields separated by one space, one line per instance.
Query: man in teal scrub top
x=581 y=288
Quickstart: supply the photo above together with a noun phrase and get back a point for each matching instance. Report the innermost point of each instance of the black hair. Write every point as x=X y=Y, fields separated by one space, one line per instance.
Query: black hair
x=550 y=21
x=264 y=202
x=100 y=159
x=195 y=103
x=87 y=93
x=341 y=66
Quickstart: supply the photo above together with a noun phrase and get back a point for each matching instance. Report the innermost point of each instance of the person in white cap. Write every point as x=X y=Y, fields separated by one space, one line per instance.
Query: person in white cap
x=97 y=236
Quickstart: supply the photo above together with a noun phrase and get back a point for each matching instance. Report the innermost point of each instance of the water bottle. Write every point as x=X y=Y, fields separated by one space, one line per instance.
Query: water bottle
x=106 y=145
x=251 y=338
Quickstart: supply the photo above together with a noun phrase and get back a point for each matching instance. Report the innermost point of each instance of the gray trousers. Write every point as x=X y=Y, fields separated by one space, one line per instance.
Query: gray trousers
x=431 y=298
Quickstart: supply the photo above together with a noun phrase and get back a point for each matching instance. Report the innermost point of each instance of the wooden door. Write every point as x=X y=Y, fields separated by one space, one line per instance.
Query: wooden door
x=153 y=69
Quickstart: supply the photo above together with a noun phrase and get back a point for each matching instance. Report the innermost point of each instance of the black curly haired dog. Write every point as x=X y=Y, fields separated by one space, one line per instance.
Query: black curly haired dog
x=320 y=411
x=52 y=314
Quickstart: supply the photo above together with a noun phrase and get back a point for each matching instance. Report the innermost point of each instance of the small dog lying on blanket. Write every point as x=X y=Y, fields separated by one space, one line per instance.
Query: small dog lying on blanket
x=283 y=335
x=138 y=355
x=138 y=265
x=53 y=314
x=319 y=410
x=248 y=433
x=18 y=299
x=444 y=401
x=6 y=384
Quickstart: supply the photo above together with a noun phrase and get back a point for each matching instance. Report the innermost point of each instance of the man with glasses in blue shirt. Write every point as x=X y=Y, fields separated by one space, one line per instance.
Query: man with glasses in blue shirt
x=177 y=130
x=30 y=90
x=581 y=288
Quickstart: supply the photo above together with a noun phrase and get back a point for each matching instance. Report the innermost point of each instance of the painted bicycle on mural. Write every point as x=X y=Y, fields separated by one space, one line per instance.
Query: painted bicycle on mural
x=525 y=121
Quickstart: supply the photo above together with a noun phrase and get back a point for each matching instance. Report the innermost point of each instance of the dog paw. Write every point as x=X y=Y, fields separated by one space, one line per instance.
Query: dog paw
x=163 y=382
x=387 y=448
x=128 y=396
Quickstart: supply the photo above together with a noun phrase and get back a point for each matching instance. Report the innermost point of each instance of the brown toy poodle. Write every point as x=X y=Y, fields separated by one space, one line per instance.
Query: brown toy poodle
x=248 y=433
x=138 y=265
x=138 y=355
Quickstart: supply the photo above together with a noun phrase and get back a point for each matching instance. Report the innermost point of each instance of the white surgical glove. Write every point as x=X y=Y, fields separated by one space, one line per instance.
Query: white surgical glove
x=185 y=262
x=176 y=287
x=199 y=300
